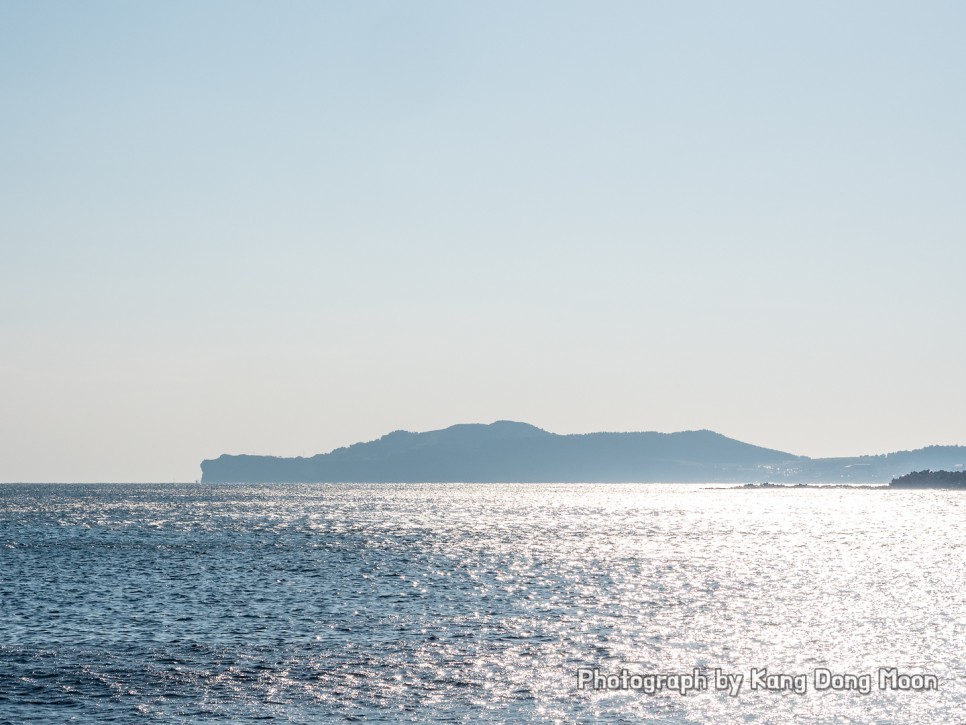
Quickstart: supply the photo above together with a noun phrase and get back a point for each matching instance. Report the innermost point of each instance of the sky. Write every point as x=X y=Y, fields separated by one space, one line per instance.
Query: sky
x=281 y=228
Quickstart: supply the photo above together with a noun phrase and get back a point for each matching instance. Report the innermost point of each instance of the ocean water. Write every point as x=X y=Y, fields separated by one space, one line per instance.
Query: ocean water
x=464 y=603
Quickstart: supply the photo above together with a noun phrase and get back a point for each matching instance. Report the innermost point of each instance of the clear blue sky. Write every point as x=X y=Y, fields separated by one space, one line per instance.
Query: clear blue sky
x=285 y=227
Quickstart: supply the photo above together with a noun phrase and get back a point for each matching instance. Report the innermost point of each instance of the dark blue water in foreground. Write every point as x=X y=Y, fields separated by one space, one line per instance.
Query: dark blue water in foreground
x=315 y=603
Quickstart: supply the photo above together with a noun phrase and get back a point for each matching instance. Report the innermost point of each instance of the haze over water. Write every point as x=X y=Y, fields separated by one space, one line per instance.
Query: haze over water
x=449 y=602
x=250 y=227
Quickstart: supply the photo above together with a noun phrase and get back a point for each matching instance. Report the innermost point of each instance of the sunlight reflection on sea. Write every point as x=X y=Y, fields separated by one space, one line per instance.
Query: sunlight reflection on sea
x=452 y=602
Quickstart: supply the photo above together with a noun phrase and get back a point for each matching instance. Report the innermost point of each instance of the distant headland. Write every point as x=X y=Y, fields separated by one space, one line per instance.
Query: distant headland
x=511 y=452
x=955 y=480
x=931 y=479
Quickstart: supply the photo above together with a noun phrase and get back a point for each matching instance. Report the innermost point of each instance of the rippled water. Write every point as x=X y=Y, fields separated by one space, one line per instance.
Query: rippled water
x=395 y=603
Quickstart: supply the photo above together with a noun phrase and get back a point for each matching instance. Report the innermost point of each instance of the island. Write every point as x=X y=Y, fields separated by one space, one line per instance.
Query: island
x=513 y=452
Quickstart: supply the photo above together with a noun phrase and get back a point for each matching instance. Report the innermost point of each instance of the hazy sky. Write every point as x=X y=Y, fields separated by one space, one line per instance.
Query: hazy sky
x=280 y=228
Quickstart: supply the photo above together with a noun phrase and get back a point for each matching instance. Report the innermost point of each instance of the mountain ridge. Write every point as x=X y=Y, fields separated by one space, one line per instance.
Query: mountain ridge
x=509 y=451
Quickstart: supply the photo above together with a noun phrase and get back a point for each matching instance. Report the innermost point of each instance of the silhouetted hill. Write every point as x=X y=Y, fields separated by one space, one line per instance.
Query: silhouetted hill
x=506 y=451
x=931 y=479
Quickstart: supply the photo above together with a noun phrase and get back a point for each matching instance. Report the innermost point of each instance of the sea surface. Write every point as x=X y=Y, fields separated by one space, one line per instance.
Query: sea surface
x=464 y=603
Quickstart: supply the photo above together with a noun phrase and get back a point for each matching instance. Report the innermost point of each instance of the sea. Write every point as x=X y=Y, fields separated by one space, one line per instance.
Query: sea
x=516 y=603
